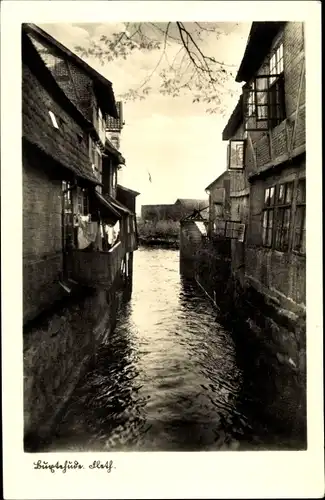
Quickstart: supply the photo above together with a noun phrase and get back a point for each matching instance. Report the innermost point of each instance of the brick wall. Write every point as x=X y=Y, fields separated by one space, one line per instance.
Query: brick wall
x=42 y=240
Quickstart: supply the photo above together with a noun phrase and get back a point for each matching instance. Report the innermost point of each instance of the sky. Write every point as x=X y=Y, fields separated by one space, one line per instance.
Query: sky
x=173 y=139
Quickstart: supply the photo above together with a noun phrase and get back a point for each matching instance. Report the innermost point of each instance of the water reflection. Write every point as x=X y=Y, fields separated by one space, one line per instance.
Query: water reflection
x=166 y=379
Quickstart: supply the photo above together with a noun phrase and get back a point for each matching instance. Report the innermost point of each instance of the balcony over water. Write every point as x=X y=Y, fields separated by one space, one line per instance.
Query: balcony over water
x=96 y=268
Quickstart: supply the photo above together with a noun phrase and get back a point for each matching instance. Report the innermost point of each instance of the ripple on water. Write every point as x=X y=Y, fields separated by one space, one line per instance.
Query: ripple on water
x=166 y=379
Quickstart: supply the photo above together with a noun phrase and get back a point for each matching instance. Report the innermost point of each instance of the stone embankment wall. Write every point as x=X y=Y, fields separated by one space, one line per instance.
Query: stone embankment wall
x=57 y=351
x=278 y=339
x=271 y=342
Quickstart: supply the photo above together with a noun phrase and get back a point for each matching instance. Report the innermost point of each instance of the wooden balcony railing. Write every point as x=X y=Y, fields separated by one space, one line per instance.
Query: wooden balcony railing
x=96 y=269
x=131 y=242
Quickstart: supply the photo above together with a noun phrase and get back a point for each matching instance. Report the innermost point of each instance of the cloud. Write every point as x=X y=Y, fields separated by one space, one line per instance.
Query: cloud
x=69 y=35
x=172 y=138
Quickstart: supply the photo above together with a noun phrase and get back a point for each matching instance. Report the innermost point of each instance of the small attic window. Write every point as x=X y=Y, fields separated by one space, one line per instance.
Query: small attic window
x=53 y=119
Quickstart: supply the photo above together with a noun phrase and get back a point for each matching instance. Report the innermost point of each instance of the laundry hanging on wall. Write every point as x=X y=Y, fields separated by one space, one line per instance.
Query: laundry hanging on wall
x=87 y=233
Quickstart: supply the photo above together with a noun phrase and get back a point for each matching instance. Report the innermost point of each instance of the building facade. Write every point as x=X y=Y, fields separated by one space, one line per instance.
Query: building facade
x=274 y=121
x=266 y=162
x=267 y=168
x=238 y=186
x=79 y=226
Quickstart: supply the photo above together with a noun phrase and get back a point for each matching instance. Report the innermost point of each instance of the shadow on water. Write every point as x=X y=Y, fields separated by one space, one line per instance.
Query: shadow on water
x=169 y=378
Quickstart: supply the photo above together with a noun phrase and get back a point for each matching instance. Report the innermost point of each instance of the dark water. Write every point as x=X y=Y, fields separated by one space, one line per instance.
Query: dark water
x=167 y=379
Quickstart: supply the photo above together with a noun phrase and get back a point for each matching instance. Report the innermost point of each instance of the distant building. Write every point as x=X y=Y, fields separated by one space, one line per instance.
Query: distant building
x=158 y=212
x=176 y=211
x=186 y=206
x=219 y=204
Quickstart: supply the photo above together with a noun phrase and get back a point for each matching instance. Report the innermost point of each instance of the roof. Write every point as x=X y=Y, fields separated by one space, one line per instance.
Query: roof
x=234 y=121
x=43 y=73
x=112 y=149
x=38 y=85
x=104 y=201
x=128 y=190
x=191 y=202
x=118 y=205
x=102 y=86
x=259 y=43
x=221 y=176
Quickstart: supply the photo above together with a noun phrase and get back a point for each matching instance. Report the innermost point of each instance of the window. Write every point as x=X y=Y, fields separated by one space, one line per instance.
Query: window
x=115 y=140
x=276 y=102
x=268 y=216
x=236 y=154
x=116 y=123
x=264 y=97
x=101 y=125
x=229 y=229
x=67 y=215
x=261 y=98
x=218 y=210
x=276 y=88
x=255 y=99
x=83 y=202
x=251 y=100
x=96 y=160
x=53 y=119
x=219 y=227
x=114 y=179
x=299 y=237
x=276 y=63
x=235 y=230
x=132 y=224
x=284 y=201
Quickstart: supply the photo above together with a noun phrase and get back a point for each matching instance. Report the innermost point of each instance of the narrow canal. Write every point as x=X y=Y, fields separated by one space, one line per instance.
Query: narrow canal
x=167 y=379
